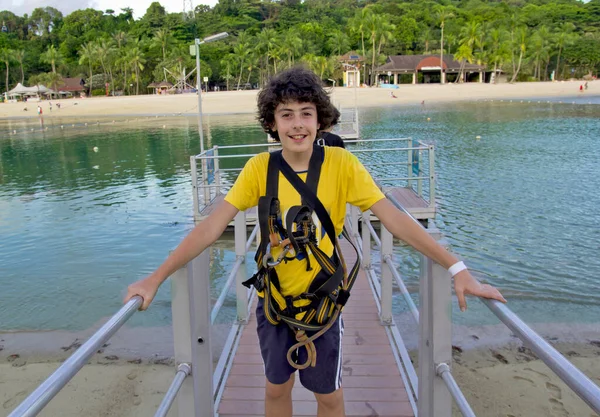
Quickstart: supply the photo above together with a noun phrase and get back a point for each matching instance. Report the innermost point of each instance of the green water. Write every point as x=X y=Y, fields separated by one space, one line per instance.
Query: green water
x=76 y=225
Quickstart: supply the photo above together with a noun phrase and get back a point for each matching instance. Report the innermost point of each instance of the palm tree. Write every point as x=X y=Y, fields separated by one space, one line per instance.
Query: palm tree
x=136 y=59
x=162 y=38
x=266 y=40
x=87 y=54
x=563 y=37
x=6 y=56
x=522 y=39
x=338 y=42
x=20 y=56
x=105 y=51
x=443 y=14
x=227 y=65
x=293 y=44
x=500 y=51
x=374 y=23
x=52 y=57
x=241 y=51
x=464 y=54
x=359 y=25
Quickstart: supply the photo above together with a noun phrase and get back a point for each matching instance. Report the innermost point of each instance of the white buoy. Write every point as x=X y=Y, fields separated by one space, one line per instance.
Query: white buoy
x=73 y=125
x=95 y=148
x=32 y=130
x=113 y=121
x=164 y=126
x=477 y=137
x=62 y=127
x=15 y=132
x=96 y=167
x=86 y=123
x=429 y=119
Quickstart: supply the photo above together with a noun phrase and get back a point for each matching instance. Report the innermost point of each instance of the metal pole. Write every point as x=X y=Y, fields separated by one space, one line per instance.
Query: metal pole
x=241 y=275
x=435 y=338
x=183 y=370
x=573 y=377
x=366 y=240
x=443 y=370
x=387 y=244
x=199 y=87
x=431 y=177
x=195 y=197
x=39 y=398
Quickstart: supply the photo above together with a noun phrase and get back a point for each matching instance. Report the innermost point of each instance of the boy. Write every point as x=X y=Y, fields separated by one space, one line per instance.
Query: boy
x=293 y=108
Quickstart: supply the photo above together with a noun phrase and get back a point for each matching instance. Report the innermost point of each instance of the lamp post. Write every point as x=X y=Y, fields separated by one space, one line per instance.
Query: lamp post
x=356 y=78
x=197 y=43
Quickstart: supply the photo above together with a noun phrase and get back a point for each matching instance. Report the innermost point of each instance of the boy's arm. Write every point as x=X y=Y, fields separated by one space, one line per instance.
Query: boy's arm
x=404 y=228
x=200 y=238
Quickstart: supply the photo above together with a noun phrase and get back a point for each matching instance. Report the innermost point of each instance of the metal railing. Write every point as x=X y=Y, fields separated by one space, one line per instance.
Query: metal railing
x=436 y=385
x=209 y=180
x=431 y=387
x=42 y=395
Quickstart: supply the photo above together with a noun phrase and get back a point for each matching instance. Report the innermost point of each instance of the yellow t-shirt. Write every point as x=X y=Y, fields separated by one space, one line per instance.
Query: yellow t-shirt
x=343 y=180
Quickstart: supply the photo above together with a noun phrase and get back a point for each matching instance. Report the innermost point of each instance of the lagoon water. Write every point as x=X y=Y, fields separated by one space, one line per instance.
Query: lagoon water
x=520 y=205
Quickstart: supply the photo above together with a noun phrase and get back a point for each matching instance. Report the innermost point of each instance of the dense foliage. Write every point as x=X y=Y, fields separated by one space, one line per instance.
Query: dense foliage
x=527 y=39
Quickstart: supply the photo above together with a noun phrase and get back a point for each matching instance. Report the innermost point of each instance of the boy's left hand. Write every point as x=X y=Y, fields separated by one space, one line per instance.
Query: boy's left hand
x=465 y=284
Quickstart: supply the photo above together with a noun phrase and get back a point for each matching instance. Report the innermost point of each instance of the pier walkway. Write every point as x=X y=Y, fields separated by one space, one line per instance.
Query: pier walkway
x=371 y=378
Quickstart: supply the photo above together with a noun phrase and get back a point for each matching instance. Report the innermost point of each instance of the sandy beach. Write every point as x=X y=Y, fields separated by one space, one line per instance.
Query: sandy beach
x=130 y=376
x=235 y=102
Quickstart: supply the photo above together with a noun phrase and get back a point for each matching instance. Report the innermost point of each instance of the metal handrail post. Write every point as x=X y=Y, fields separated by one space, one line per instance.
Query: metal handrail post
x=241 y=275
x=435 y=339
x=366 y=240
x=431 y=177
x=584 y=387
x=42 y=395
x=419 y=172
x=387 y=244
x=217 y=173
x=354 y=212
x=190 y=304
x=410 y=167
x=194 y=172
x=183 y=370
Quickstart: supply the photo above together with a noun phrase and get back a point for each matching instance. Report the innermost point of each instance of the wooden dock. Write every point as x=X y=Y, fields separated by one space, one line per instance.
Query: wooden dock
x=414 y=204
x=371 y=380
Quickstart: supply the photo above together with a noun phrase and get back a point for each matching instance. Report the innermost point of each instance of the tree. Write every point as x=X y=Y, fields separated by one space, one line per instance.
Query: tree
x=443 y=14
x=162 y=39
x=52 y=57
x=6 y=56
x=562 y=39
x=137 y=60
x=87 y=55
x=19 y=55
x=522 y=34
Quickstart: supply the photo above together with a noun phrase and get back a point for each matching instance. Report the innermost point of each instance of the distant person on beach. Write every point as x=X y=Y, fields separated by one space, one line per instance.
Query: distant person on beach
x=39 y=110
x=586 y=85
x=50 y=103
x=581 y=88
x=293 y=107
x=392 y=95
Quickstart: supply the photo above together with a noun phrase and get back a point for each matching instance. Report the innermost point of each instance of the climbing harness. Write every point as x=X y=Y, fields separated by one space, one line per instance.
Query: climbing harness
x=316 y=310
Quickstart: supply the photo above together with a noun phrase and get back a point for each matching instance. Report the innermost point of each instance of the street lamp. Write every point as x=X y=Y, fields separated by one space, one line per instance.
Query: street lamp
x=197 y=43
x=356 y=78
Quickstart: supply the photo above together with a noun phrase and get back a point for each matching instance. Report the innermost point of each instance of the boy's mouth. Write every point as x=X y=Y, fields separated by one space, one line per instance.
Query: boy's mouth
x=297 y=138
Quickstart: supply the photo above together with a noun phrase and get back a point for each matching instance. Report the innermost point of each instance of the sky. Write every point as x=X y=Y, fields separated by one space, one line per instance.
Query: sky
x=20 y=7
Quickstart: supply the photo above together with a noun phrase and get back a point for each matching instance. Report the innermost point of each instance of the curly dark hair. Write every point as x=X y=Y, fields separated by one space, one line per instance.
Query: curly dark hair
x=295 y=84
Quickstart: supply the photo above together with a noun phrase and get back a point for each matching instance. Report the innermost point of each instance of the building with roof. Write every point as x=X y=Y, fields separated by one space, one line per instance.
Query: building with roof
x=351 y=63
x=427 y=69
x=75 y=85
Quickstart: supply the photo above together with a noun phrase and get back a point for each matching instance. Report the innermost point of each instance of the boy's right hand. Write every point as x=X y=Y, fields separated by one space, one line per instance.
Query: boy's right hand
x=145 y=288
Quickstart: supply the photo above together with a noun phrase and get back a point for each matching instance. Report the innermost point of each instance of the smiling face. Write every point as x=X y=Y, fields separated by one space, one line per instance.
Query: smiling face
x=297 y=126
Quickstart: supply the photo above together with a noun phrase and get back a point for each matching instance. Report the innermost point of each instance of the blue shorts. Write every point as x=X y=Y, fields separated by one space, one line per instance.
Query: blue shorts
x=275 y=341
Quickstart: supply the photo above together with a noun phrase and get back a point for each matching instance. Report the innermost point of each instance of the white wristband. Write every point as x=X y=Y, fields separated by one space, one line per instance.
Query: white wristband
x=457 y=267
